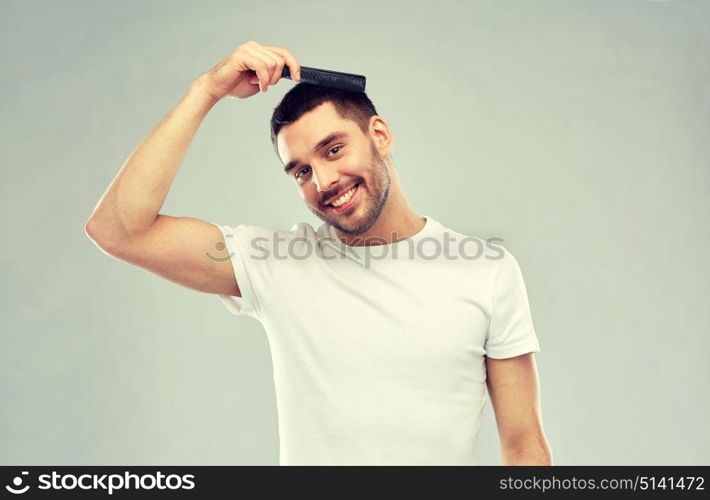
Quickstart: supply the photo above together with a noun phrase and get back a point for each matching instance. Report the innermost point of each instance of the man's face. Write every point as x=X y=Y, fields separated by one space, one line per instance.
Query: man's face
x=325 y=170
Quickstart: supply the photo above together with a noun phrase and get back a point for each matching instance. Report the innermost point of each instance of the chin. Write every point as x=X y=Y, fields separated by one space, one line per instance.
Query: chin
x=354 y=223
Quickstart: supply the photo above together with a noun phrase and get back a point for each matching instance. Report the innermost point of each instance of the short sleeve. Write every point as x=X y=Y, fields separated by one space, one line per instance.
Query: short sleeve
x=510 y=332
x=247 y=247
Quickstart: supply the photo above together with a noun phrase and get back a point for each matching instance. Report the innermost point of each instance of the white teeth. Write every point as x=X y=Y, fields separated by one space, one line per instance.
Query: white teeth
x=344 y=199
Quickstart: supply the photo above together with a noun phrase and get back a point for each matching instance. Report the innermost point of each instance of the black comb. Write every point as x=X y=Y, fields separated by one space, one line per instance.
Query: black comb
x=328 y=78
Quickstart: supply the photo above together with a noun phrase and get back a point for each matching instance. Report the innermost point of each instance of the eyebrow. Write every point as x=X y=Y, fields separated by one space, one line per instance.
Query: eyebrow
x=324 y=142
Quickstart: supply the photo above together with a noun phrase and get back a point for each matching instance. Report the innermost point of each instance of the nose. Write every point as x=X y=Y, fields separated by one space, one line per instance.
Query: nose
x=325 y=177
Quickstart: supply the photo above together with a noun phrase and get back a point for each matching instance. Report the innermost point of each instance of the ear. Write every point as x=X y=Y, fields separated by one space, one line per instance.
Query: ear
x=381 y=135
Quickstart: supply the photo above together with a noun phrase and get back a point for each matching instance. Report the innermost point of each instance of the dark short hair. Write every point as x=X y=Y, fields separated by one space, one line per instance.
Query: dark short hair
x=304 y=97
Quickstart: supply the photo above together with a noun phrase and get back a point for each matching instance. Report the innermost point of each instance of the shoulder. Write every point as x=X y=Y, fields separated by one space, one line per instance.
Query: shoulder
x=469 y=246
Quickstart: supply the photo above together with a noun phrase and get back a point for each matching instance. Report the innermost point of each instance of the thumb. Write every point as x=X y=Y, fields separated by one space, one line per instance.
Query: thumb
x=253 y=78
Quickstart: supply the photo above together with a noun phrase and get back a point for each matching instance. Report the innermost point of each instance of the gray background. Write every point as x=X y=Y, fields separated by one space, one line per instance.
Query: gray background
x=577 y=131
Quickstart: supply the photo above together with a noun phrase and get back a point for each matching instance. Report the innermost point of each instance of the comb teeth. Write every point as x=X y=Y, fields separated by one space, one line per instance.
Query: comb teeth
x=328 y=78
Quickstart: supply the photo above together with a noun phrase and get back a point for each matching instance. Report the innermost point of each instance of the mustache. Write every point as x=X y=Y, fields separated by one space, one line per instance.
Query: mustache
x=335 y=192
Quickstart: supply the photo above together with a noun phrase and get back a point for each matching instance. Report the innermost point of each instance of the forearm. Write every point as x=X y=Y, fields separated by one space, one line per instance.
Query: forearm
x=534 y=451
x=134 y=198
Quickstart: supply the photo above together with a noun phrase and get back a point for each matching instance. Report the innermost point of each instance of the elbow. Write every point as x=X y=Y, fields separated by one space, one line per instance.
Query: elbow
x=92 y=229
x=96 y=232
x=532 y=449
x=89 y=229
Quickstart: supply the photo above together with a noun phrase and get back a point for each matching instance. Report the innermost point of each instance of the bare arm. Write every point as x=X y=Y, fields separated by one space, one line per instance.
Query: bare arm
x=135 y=196
x=127 y=222
x=514 y=390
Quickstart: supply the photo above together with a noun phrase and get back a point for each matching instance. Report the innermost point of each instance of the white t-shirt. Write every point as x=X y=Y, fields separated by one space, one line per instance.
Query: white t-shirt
x=378 y=351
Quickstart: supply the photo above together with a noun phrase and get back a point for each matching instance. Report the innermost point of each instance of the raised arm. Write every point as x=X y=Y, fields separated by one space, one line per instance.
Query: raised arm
x=127 y=223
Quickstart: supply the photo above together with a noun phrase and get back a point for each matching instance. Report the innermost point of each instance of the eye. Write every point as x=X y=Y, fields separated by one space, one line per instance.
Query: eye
x=298 y=174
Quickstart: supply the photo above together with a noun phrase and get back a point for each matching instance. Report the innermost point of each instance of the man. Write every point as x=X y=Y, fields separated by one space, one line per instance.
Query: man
x=385 y=327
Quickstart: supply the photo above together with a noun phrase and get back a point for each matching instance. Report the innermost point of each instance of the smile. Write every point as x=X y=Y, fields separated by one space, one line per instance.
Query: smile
x=345 y=201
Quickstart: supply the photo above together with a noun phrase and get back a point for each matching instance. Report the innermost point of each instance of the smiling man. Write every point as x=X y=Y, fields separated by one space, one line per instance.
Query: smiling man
x=386 y=327
x=343 y=179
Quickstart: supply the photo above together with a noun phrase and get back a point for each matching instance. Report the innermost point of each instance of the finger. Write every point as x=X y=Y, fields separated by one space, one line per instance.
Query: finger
x=269 y=64
x=258 y=65
x=275 y=72
x=261 y=64
x=253 y=78
x=293 y=65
